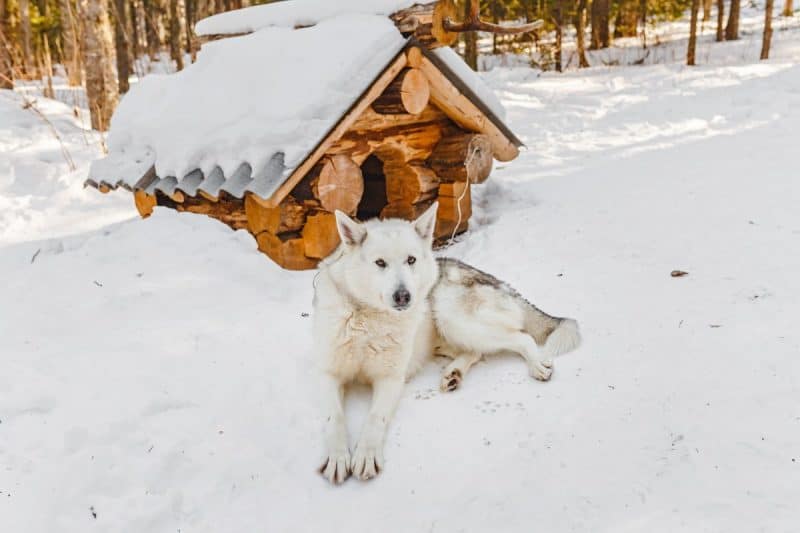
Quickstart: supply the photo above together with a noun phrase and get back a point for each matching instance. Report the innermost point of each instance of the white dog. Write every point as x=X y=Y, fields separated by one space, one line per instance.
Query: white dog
x=383 y=304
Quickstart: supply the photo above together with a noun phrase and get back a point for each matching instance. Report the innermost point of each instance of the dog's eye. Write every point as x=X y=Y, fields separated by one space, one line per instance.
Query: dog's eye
x=411 y=260
x=381 y=263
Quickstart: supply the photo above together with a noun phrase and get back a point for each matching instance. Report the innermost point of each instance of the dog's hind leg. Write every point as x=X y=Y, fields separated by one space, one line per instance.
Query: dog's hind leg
x=336 y=466
x=524 y=345
x=454 y=372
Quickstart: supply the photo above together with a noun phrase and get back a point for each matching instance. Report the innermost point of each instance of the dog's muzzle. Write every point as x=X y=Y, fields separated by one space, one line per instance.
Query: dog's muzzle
x=401 y=298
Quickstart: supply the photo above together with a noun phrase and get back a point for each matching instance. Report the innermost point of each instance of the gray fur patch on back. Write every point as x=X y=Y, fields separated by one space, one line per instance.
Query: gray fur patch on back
x=470 y=276
x=457 y=271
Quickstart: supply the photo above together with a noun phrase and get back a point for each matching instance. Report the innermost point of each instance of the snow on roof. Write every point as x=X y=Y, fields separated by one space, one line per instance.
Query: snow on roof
x=294 y=13
x=251 y=108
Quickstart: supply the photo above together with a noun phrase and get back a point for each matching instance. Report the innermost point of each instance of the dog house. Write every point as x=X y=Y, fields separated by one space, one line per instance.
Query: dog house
x=299 y=108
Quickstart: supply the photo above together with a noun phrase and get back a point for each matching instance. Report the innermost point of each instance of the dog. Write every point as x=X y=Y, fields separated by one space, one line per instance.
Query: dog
x=383 y=305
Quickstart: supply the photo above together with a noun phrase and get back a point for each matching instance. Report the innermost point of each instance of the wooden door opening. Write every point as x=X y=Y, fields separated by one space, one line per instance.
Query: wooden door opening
x=374 y=198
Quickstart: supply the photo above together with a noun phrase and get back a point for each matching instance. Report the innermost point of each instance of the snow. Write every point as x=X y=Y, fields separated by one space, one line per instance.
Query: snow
x=156 y=373
x=40 y=194
x=248 y=98
x=293 y=14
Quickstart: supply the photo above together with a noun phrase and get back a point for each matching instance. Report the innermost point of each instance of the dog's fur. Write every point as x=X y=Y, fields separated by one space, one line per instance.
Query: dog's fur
x=383 y=305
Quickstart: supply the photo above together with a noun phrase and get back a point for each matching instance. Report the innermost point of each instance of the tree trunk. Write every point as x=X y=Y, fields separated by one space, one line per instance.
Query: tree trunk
x=627 y=19
x=25 y=37
x=69 y=42
x=177 y=31
x=139 y=23
x=600 y=18
x=6 y=65
x=154 y=27
x=580 y=29
x=707 y=5
x=767 y=29
x=643 y=20
x=122 y=42
x=690 y=60
x=191 y=7
x=98 y=57
x=732 y=29
x=788 y=8
x=720 y=20
x=470 y=43
x=558 y=17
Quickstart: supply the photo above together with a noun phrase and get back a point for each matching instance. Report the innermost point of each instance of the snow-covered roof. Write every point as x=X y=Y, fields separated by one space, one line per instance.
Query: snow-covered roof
x=264 y=99
x=253 y=108
x=294 y=14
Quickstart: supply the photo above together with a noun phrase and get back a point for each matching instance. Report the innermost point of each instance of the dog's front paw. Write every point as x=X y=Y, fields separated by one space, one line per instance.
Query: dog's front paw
x=367 y=462
x=451 y=381
x=542 y=370
x=336 y=468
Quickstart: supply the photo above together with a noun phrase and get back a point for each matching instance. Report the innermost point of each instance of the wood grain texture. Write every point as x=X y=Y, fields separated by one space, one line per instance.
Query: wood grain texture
x=339 y=185
x=462 y=157
x=409 y=93
x=320 y=236
x=288 y=216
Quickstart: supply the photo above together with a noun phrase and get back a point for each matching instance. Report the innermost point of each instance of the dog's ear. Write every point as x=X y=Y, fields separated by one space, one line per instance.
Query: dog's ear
x=352 y=232
x=426 y=223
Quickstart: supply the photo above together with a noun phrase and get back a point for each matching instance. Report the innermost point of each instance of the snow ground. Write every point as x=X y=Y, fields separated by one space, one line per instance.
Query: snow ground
x=156 y=373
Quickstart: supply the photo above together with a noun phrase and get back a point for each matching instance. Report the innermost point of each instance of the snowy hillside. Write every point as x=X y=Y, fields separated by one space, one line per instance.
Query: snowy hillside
x=156 y=374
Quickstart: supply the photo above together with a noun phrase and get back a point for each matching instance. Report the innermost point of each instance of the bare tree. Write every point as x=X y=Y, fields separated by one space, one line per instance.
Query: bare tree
x=25 y=26
x=732 y=29
x=720 y=20
x=788 y=8
x=6 y=65
x=558 y=19
x=707 y=5
x=98 y=57
x=600 y=31
x=122 y=44
x=177 y=31
x=70 y=42
x=580 y=30
x=690 y=54
x=643 y=20
x=767 y=38
x=470 y=41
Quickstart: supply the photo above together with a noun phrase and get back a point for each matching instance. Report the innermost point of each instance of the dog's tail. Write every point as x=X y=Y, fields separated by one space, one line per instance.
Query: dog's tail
x=555 y=335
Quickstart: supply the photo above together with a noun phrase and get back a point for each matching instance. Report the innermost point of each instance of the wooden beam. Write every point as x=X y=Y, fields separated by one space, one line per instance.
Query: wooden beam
x=463 y=112
x=375 y=90
x=462 y=157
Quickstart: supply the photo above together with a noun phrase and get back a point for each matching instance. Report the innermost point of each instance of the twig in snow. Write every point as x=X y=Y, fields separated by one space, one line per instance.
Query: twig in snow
x=36 y=255
x=28 y=103
x=678 y=273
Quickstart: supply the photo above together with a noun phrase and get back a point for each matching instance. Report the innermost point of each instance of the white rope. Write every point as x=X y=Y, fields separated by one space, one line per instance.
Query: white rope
x=460 y=198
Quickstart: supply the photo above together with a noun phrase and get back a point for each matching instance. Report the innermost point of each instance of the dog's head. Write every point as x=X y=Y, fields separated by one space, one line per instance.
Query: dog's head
x=388 y=264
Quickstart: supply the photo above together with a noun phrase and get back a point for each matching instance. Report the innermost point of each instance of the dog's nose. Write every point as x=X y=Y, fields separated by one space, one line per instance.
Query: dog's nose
x=401 y=297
